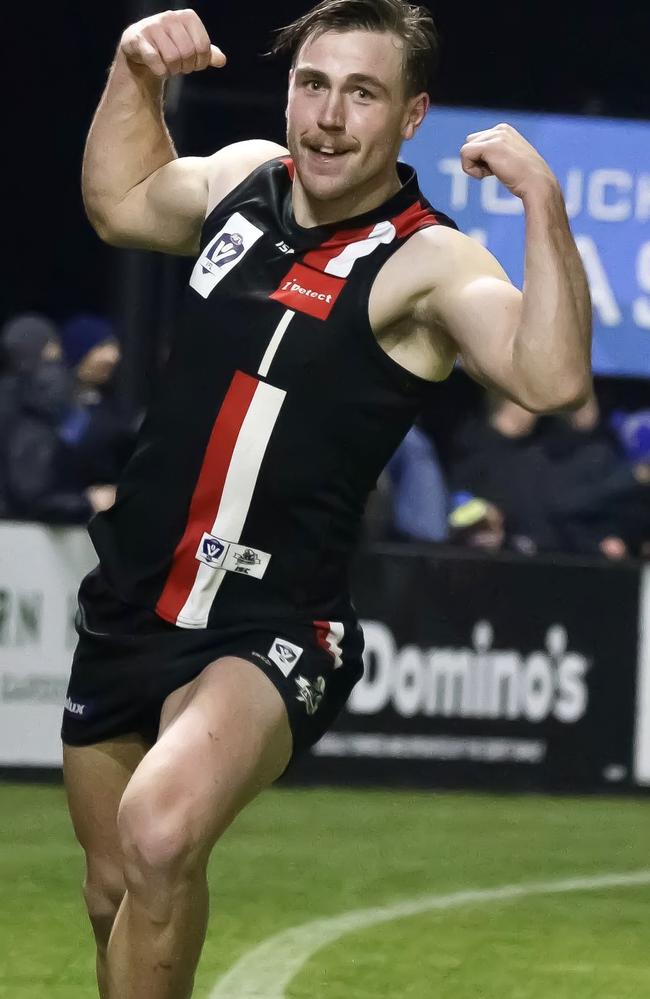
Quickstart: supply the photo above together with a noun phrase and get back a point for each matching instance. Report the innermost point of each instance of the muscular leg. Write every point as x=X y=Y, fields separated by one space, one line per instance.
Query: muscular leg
x=223 y=738
x=95 y=779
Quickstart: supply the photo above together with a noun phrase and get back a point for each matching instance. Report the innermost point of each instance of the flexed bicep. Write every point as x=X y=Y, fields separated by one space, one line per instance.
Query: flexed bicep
x=480 y=310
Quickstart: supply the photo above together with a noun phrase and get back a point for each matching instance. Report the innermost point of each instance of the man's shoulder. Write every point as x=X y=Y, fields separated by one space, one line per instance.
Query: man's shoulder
x=230 y=166
x=430 y=257
x=430 y=266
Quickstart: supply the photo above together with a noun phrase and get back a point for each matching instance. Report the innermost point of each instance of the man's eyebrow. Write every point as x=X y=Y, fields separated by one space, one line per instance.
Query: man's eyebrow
x=372 y=81
x=366 y=78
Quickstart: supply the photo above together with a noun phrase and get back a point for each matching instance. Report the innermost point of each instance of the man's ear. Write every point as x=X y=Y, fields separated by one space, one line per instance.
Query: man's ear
x=415 y=114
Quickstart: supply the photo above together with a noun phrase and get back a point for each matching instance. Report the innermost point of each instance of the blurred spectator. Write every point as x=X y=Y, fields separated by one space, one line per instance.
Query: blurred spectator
x=39 y=483
x=65 y=441
x=633 y=430
x=559 y=484
x=420 y=501
x=475 y=523
x=498 y=461
x=25 y=341
x=410 y=502
x=599 y=489
x=100 y=439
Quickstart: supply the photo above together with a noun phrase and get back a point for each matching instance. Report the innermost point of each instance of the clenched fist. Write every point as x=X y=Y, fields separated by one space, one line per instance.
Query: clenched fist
x=503 y=152
x=170 y=43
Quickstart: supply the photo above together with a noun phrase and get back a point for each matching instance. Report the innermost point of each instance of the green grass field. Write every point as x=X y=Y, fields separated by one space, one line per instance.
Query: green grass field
x=301 y=855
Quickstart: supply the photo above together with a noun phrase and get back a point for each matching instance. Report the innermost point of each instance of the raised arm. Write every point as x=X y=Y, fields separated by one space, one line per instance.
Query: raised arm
x=136 y=191
x=533 y=346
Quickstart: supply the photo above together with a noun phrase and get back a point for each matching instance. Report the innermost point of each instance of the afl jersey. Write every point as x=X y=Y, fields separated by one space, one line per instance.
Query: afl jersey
x=275 y=415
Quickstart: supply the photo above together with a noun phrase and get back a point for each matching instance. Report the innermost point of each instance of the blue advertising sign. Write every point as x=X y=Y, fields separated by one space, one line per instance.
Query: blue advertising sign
x=603 y=166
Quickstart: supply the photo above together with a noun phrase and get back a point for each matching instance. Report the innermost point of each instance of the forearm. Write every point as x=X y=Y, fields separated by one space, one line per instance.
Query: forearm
x=127 y=142
x=552 y=346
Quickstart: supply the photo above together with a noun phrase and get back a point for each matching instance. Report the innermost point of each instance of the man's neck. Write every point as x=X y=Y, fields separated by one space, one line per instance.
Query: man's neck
x=309 y=212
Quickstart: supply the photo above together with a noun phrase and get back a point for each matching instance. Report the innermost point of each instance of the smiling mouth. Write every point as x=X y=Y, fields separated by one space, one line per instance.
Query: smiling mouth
x=322 y=154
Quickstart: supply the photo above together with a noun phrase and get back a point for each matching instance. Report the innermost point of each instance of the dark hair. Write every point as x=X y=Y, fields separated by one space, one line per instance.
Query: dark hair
x=414 y=25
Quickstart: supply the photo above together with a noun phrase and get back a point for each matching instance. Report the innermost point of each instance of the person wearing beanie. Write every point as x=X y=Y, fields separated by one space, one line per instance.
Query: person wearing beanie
x=24 y=339
x=90 y=348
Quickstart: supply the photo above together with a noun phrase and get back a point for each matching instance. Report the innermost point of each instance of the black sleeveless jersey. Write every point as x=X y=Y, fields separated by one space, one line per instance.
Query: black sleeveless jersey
x=275 y=414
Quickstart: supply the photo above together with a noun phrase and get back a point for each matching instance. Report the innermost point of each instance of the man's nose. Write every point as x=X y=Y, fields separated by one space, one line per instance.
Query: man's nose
x=331 y=115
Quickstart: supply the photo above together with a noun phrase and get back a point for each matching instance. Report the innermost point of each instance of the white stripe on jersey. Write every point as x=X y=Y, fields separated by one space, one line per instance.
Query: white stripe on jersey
x=274 y=343
x=341 y=265
x=236 y=497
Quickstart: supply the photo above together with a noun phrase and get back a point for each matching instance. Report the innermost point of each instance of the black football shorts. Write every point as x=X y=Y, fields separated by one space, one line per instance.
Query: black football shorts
x=128 y=660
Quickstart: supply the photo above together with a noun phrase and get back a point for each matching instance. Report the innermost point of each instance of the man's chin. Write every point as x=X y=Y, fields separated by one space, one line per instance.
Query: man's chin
x=326 y=191
x=323 y=188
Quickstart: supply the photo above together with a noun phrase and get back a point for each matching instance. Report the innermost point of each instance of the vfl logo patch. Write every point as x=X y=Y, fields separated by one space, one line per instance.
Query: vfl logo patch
x=311 y=694
x=229 y=247
x=220 y=554
x=306 y=290
x=211 y=549
x=223 y=252
x=284 y=654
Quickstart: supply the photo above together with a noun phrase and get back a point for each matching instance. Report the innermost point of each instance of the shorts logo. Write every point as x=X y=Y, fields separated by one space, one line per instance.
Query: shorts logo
x=285 y=655
x=306 y=290
x=311 y=694
x=220 y=554
x=265 y=659
x=223 y=252
x=73 y=707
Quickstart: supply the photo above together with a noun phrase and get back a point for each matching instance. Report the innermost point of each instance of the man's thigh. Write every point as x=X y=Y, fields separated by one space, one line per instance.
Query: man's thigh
x=224 y=737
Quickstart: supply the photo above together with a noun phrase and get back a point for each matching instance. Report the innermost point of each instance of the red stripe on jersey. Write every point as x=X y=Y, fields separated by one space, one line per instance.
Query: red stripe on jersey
x=288 y=162
x=415 y=217
x=207 y=493
x=321 y=256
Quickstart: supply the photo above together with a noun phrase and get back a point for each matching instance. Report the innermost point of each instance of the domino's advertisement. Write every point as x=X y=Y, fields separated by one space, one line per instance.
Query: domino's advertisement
x=603 y=166
x=494 y=673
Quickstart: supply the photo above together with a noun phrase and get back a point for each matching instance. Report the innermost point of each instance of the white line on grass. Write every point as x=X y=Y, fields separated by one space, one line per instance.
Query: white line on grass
x=265 y=971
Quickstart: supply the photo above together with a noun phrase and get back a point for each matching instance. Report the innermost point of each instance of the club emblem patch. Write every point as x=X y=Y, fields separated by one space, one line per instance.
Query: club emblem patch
x=223 y=252
x=311 y=694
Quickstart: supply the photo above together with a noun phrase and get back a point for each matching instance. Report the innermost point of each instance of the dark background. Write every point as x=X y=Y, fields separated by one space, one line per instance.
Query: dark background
x=534 y=56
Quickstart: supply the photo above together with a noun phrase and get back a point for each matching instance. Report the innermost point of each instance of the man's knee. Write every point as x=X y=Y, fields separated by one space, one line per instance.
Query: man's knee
x=159 y=843
x=103 y=893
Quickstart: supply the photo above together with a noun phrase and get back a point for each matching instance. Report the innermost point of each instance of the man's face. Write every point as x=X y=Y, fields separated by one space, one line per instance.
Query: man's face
x=347 y=114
